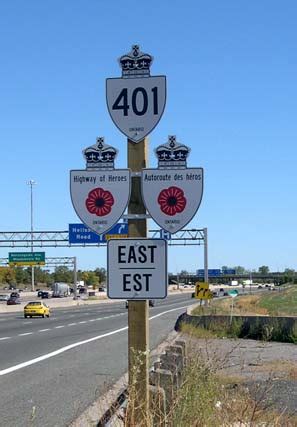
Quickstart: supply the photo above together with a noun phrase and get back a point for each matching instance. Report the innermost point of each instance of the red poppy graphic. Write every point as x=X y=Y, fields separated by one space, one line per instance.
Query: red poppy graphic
x=99 y=202
x=172 y=201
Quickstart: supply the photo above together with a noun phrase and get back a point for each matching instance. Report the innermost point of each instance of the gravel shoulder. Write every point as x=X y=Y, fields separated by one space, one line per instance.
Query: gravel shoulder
x=267 y=369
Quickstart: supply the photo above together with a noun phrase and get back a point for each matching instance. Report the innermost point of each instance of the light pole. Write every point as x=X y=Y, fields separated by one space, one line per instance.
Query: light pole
x=31 y=183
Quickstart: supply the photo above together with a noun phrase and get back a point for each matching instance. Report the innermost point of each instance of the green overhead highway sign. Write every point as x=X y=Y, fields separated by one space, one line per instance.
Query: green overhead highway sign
x=26 y=258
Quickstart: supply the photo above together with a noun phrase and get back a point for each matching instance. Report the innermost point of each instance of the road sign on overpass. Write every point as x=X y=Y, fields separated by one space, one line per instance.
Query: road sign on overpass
x=26 y=258
x=211 y=273
x=80 y=233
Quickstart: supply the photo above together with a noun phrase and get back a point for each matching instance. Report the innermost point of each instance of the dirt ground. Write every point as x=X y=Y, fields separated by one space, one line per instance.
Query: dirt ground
x=267 y=369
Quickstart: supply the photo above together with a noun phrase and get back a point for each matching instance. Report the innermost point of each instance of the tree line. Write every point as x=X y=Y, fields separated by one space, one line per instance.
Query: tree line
x=263 y=269
x=22 y=276
x=289 y=275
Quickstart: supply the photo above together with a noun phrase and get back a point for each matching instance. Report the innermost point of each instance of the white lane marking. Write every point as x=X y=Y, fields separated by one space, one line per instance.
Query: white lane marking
x=167 y=311
x=63 y=326
x=77 y=344
x=170 y=305
x=5 y=338
x=59 y=351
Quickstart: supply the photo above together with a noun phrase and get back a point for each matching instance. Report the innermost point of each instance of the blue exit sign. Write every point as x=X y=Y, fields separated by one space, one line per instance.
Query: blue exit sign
x=80 y=233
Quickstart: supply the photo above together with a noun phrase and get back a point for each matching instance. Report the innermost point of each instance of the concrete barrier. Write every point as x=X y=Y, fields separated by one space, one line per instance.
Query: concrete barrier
x=278 y=328
x=167 y=375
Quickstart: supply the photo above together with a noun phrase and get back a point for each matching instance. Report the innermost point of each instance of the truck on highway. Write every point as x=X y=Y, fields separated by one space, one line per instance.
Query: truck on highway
x=233 y=283
x=60 y=290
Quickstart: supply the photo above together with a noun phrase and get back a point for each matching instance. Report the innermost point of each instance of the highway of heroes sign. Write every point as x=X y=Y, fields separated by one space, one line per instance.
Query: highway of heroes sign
x=172 y=196
x=99 y=197
x=137 y=269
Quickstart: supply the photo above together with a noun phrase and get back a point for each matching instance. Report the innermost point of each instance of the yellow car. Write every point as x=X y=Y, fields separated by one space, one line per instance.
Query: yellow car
x=36 y=308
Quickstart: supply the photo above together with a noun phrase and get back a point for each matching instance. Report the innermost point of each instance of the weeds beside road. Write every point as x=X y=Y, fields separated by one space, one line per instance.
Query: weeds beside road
x=230 y=383
x=237 y=382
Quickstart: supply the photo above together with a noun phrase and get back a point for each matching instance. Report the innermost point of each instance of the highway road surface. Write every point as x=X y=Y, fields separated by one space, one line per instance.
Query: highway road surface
x=51 y=370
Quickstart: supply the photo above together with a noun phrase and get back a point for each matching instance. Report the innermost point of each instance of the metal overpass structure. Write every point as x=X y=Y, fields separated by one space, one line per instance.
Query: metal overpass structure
x=56 y=239
x=46 y=239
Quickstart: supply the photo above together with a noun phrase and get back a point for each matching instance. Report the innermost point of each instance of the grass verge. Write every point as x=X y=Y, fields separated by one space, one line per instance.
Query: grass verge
x=278 y=303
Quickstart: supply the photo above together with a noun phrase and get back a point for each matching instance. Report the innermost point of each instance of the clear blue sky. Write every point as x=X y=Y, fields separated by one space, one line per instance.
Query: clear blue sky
x=231 y=72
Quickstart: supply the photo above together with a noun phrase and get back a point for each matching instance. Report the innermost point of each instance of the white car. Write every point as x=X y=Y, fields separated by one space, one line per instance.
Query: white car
x=4 y=297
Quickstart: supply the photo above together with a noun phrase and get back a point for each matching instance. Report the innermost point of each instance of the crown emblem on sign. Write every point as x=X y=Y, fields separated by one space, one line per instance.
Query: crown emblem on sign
x=172 y=154
x=135 y=63
x=99 y=155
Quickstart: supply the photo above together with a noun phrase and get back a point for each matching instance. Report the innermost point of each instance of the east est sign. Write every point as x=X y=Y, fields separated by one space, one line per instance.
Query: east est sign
x=137 y=269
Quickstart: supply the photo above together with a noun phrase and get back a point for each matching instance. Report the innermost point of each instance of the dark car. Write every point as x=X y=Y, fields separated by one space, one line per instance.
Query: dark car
x=151 y=303
x=13 y=301
x=45 y=294
x=14 y=295
x=39 y=293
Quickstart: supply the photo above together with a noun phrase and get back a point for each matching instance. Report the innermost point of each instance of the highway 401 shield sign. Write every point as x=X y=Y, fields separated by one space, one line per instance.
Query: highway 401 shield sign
x=172 y=196
x=136 y=105
x=100 y=198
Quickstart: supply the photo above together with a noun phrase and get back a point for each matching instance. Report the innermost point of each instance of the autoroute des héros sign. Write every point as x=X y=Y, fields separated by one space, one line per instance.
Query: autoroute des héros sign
x=137 y=269
x=136 y=101
x=26 y=258
x=173 y=197
x=172 y=193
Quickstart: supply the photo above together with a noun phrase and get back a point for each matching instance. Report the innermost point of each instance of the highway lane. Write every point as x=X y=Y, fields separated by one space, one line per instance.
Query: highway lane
x=53 y=391
x=14 y=324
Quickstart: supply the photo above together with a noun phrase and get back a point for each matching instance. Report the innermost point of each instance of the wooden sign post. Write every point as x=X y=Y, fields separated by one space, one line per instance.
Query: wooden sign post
x=138 y=328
